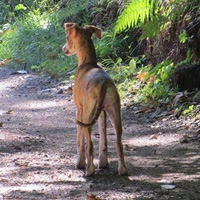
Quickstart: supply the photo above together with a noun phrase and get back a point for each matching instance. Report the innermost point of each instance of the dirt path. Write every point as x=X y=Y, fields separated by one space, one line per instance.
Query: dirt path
x=38 y=149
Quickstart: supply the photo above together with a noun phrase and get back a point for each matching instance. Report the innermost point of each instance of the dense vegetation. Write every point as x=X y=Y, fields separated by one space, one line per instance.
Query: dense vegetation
x=143 y=40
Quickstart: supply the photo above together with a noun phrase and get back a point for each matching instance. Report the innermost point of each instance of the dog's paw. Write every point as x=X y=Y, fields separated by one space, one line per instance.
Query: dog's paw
x=103 y=160
x=123 y=170
x=80 y=163
x=90 y=170
x=103 y=164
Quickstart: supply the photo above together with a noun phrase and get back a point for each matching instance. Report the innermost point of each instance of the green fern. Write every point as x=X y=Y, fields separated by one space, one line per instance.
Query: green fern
x=152 y=28
x=137 y=11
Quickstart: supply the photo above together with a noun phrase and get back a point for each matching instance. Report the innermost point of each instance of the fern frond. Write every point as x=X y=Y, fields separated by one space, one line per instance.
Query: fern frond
x=136 y=12
x=152 y=28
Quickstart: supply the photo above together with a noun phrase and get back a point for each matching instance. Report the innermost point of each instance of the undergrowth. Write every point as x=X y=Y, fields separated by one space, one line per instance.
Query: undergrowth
x=35 y=35
x=37 y=38
x=139 y=83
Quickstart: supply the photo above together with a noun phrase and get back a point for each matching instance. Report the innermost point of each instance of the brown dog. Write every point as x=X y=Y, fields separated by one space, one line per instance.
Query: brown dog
x=94 y=95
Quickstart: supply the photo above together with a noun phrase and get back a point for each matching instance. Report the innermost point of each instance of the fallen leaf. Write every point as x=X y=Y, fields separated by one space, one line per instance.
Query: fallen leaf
x=23 y=166
x=144 y=75
x=153 y=137
x=141 y=75
x=4 y=62
x=9 y=112
x=4 y=181
x=143 y=110
x=92 y=197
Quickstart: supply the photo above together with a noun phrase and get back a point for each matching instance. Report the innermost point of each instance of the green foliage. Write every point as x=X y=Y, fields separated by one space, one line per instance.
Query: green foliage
x=37 y=39
x=150 y=15
x=20 y=7
x=11 y=10
x=109 y=47
x=154 y=86
x=75 y=11
x=105 y=46
x=160 y=86
x=152 y=28
x=29 y=40
x=122 y=74
x=153 y=16
x=188 y=110
x=118 y=71
x=136 y=12
x=6 y=45
x=183 y=37
x=189 y=56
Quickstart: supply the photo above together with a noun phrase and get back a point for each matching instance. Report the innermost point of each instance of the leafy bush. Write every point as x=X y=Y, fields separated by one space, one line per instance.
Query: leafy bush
x=34 y=40
x=147 y=84
x=37 y=38
x=159 y=87
x=109 y=48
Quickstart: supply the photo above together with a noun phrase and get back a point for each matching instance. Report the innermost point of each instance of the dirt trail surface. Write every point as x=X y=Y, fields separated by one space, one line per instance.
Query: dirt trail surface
x=38 y=148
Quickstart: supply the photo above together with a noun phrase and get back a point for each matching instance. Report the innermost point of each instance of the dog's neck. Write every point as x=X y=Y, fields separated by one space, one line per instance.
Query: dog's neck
x=86 y=53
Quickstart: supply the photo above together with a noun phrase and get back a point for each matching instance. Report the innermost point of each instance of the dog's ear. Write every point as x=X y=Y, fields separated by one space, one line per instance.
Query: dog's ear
x=69 y=27
x=94 y=30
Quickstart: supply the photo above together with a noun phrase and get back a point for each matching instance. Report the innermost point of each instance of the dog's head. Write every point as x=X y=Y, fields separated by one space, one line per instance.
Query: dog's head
x=76 y=35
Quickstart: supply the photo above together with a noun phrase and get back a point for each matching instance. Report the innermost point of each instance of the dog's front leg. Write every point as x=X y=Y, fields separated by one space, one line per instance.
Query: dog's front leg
x=90 y=168
x=80 y=164
x=103 y=161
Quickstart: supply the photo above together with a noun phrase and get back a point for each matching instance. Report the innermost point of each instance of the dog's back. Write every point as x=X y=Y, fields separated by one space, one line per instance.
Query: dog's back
x=92 y=83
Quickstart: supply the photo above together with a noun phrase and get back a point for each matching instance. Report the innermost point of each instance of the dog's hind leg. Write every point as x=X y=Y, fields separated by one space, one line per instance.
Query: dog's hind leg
x=80 y=163
x=90 y=168
x=103 y=161
x=113 y=111
x=88 y=108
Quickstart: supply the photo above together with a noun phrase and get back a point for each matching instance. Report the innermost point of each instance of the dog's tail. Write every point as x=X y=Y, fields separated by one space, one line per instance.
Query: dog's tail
x=97 y=108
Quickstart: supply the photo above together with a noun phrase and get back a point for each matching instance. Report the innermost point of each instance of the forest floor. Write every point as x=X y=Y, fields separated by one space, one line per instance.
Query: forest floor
x=38 y=148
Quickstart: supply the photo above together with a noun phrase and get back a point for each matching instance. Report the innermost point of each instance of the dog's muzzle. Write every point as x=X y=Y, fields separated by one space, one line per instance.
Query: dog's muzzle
x=66 y=51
